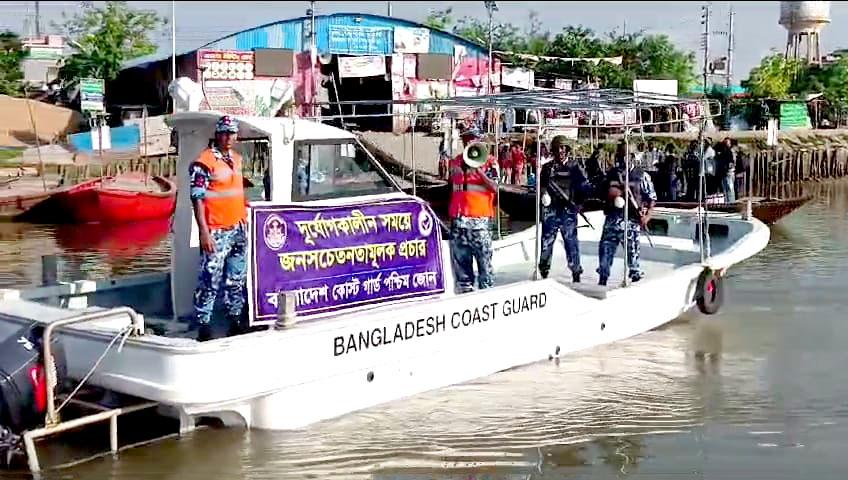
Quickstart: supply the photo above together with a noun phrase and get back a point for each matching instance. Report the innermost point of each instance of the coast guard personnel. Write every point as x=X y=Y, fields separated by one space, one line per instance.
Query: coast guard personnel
x=471 y=211
x=217 y=194
x=643 y=195
x=564 y=187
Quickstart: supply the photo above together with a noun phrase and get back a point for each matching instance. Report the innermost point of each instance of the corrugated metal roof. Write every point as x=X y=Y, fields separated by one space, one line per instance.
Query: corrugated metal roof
x=291 y=34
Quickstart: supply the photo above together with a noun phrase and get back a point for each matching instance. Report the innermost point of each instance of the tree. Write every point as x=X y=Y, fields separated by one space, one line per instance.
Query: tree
x=773 y=77
x=439 y=19
x=105 y=38
x=11 y=56
x=643 y=56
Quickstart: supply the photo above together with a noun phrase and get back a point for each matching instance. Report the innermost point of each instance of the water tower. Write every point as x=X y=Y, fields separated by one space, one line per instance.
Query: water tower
x=804 y=22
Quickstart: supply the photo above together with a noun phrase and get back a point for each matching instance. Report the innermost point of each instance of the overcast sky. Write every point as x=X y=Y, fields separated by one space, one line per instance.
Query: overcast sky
x=757 y=30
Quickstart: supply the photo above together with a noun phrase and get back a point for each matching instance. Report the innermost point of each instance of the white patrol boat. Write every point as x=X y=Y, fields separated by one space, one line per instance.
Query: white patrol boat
x=354 y=281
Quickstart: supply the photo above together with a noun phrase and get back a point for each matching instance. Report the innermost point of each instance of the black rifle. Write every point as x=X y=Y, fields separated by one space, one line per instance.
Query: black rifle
x=552 y=185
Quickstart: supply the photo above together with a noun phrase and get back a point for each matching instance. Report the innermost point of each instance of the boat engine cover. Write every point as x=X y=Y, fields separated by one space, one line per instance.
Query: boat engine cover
x=20 y=353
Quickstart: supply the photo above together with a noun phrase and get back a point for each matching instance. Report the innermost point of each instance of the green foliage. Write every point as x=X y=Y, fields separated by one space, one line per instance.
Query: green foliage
x=105 y=38
x=644 y=56
x=11 y=56
x=439 y=19
x=773 y=78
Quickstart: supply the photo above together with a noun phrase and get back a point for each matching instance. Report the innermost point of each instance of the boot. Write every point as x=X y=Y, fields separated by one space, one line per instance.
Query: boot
x=204 y=333
x=602 y=281
x=575 y=277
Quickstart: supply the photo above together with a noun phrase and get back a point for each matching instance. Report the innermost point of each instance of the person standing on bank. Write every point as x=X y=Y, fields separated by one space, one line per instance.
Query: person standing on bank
x=471 y=211
x=217 y=195
x=564 y=186
x=643 y=196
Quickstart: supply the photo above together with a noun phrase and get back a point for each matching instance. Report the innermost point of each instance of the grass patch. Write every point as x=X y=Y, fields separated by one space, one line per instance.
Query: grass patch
x=10 y=156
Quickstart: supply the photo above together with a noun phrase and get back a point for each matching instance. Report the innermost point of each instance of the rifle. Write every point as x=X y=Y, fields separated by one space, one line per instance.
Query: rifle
x=636 y=209
x=552 y=185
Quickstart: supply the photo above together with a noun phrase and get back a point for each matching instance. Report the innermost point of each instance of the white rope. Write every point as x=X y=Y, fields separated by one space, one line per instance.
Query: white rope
x=123 y=335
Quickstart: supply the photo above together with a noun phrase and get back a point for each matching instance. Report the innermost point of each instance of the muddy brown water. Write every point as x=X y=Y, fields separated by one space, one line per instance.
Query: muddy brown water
x=772 y=405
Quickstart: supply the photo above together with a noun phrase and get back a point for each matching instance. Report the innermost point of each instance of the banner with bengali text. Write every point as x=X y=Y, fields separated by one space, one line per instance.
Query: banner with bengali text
x=336 y=257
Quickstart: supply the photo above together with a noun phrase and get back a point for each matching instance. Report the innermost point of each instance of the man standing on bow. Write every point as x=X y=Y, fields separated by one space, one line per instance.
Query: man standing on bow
x=217 y=194
x=471 y=211
x=642 y=201
x=564 y=186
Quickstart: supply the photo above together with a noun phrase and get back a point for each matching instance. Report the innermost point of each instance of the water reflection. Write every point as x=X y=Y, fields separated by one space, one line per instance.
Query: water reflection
x=90 y=251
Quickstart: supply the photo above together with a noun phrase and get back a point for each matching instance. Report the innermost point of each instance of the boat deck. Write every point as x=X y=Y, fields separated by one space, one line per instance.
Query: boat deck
x=133 y=182
x=514 y=273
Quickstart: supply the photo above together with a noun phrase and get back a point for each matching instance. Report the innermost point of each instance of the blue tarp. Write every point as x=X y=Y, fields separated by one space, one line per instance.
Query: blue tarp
x=123 y=138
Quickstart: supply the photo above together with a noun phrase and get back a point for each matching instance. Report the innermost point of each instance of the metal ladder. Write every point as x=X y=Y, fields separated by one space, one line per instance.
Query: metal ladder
x=53 y=425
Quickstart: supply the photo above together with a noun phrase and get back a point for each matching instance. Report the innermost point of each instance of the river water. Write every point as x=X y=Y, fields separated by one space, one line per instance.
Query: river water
x=773 y=405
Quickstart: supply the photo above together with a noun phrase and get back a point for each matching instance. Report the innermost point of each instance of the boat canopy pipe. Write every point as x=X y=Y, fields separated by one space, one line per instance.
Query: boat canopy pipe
x=592 y=102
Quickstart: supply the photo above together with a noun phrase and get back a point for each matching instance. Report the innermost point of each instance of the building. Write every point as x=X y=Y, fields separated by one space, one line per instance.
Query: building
x=263 y=70
x=41 y=66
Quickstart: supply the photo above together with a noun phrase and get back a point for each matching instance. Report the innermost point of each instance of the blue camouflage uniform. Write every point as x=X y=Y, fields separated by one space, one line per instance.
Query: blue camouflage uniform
x=560 y=217
x=642 y=189
x=226 y=263
x=471 y=239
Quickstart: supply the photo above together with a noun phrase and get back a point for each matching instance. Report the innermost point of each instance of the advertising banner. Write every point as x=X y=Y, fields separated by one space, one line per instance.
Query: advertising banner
x=338 y=257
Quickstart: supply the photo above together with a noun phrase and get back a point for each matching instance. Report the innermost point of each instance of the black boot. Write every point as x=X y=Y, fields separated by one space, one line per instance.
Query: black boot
x=602 y=281
x=204 y=333
x=543 y=273
x=575 y=277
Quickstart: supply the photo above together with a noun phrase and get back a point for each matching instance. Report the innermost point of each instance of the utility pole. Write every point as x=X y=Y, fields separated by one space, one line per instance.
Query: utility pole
x=173 y=41
x=37 y=21
x=312 y=56
x=492 y=7
x=705 y=20
x=389 y=8
x=730 y=42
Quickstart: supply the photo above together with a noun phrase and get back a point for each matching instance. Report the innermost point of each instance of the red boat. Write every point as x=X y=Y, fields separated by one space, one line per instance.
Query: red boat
x=113 y=200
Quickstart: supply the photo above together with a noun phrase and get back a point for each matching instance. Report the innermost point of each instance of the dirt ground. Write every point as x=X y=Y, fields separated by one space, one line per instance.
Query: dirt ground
x=16 y=129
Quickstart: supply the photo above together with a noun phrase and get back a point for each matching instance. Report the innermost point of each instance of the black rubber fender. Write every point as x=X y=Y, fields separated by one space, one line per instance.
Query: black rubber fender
x=710 y=292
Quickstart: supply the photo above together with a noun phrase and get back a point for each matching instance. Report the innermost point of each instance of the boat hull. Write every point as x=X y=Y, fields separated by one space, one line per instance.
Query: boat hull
x=326 y=367
x=97 y=202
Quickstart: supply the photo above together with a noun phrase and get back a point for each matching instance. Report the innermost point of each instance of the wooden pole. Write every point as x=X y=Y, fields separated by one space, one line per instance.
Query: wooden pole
x=41 y=172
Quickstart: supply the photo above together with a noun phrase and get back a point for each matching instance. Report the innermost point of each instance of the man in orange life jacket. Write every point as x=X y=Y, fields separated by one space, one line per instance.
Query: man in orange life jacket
x=217 y=194
x=471 y=211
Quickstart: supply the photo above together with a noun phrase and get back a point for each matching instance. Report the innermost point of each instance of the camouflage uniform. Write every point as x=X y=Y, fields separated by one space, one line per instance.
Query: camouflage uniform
x=227 y=262
x=613 y=232
x=561 y=215
x=471 y=239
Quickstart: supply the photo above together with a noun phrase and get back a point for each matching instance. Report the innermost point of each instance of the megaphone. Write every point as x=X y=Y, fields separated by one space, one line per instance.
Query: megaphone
x=475 y=155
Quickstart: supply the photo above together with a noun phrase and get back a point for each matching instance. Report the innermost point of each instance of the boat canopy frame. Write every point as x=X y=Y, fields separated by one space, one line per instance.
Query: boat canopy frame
x=588 y=101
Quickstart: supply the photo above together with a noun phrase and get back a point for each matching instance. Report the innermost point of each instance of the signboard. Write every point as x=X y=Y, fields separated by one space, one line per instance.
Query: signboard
x=225 y=64
x=412 y=40
x=370 y=66
x=351 y=40
x=794 y=115
x=332 y=258
x=91 y=94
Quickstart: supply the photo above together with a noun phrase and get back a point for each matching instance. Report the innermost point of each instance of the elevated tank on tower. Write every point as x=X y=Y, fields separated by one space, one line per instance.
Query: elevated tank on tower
x=804 y=22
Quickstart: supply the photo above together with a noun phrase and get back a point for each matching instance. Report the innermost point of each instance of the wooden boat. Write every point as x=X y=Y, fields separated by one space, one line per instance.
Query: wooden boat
x=113 y=200
x=766 y=210
x=20 y=194
x=519 y=202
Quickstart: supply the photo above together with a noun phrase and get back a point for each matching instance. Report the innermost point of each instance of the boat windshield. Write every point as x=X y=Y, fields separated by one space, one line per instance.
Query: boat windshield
x=328 y=169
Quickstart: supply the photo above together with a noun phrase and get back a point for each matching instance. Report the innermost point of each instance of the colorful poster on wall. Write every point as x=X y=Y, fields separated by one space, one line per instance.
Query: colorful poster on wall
x=259 y=97
x=355 y=67
x=225 y=64
x=339 y=257
x=412 y=40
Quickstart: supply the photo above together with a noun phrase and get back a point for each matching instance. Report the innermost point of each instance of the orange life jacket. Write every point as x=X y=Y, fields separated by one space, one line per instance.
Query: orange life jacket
x=224 y=201
x=470 y=197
